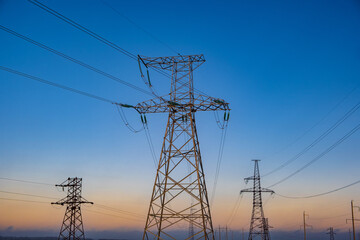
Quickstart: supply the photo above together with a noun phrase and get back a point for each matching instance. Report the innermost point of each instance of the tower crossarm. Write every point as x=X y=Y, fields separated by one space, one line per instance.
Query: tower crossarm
x=61 y=201
x=66 y=200
x=74 y=192
x=246 y=190
x=256 y=190
x=198 y=103
x=267 y=190
x=251 y=179
x=167 y=63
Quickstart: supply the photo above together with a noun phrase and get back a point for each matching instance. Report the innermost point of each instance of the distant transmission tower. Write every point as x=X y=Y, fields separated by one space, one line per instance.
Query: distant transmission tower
x=170 y=208
x=259 y=228
x=331 y=233
x=304 y=226
x=191 y=225
x=353 y=218
x=72 y=227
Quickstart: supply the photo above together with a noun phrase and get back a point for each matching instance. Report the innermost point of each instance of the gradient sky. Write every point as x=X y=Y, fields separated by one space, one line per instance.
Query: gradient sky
x=282 y=66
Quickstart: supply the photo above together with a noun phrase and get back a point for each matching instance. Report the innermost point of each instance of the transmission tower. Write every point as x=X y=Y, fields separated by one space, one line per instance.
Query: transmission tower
x=331 y=233
x=191 y=231
x=259 y=228
x=353 y=218
x=304 y=226
x=349 y=234
x=170 y=208
x=72 y=227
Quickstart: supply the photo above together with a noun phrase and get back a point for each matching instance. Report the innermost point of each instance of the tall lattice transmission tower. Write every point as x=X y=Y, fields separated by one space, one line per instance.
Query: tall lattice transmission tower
x=179 y=196
x=259 y=227
x=331 y=233
x=72 y=227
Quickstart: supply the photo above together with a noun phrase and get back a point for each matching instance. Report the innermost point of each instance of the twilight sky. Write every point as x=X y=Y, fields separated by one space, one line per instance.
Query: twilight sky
x=289 y=69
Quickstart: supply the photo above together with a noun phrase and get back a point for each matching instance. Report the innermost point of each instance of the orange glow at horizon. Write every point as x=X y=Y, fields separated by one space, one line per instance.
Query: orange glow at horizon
x=282 y=213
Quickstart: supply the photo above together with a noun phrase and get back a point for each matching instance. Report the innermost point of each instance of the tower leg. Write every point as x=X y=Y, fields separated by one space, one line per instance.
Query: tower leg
x=179 y=199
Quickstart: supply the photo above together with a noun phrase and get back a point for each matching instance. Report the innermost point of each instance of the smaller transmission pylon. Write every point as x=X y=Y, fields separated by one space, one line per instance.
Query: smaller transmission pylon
x=72 y=227
x=191 y=227
x=353 y=218
x=304 y=226
x=331 y=233
x=259 y=227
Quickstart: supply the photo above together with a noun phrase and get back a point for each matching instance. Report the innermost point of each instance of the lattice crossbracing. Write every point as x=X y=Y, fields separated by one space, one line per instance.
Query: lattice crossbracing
x=331 y=233
x=259 y=226
x=72 y=227
x=179 y=197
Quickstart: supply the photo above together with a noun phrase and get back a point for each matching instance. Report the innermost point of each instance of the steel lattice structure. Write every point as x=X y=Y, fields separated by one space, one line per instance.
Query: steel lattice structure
x=331 y=233
x=259 y=227
x=179 y=196
x=72 y=227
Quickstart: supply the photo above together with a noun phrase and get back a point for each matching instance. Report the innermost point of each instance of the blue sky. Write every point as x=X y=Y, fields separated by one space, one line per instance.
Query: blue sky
x=282 y=66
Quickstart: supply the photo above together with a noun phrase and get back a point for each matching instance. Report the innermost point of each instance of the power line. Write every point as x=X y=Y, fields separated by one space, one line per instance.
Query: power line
x=25 y=181
x=21 y=200
x=317 y=140
x=47 y=197
x=87 y=31
x=56 y=85
x=318 y=122
x=324 y=218
x=347 y=135
x=219 y=160
x=112 y=215
x=118 y=210
x=62 y=87
x=25 y=194
x=82 y=28
x=31 y=201
x=320 y=194
x=150 y=143
x=267 y=200
x=125 y=121
x=139 y=27
x=98 y=37
x=112 y=77
x=120 y=111
x=234 y=210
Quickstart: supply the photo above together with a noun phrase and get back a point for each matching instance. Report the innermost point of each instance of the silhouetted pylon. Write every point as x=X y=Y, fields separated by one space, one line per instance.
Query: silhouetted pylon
x=259 y=227
x=353 y=218
x=191 y=228
x=304 y=226
x=72 y=227
x=179 y=198
x=331 y=233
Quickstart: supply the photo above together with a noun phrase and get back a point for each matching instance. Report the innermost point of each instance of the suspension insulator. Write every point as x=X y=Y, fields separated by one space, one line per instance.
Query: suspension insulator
x=173 y=103
x=145 y=119
x=142 y=119
x=148 y=75
x=218 y=101
x=142 y=75
x=126 y=105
